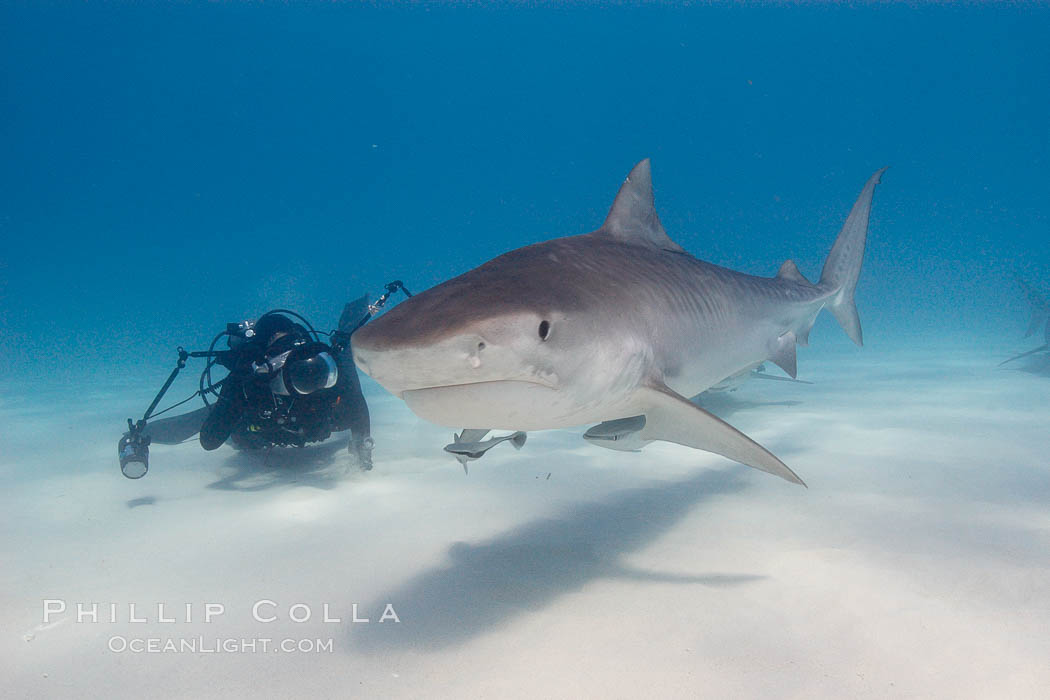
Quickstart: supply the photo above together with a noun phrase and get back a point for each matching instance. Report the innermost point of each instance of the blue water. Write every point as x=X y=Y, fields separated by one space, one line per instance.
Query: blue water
x=166 y=169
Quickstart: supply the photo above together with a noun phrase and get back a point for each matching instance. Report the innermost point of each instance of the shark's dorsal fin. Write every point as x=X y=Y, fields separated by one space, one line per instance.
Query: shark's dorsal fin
x=633 y=217
x=789 y=271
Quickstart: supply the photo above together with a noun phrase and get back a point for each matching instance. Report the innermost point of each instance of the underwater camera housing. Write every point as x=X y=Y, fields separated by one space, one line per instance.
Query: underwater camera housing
x=239 y=333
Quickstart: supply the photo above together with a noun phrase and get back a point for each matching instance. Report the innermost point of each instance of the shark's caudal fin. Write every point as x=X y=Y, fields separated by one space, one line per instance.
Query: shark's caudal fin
x=842 y=268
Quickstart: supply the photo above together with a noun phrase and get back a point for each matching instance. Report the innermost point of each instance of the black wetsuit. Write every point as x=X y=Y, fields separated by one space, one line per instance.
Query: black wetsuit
x=252 y=416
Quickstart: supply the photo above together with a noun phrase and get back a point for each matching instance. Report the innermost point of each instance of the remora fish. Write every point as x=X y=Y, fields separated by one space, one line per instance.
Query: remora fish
x=468 y=445
x=606 y=325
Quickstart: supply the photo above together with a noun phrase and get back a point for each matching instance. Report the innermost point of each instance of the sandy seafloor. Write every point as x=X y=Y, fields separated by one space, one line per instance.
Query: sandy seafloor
x=917 y=564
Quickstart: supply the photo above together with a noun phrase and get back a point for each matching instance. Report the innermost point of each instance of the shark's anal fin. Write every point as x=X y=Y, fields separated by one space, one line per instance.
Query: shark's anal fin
x=783 y=354
x=802 y=335
x=633 y=218
x=789 y=271
x=672 y=418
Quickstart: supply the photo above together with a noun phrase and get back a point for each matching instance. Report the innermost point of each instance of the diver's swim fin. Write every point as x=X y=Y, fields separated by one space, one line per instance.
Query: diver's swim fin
x=176 y=429
x=353 y=314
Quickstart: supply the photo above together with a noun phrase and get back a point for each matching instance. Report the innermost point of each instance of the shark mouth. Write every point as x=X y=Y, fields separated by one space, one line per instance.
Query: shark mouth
x=498 y=405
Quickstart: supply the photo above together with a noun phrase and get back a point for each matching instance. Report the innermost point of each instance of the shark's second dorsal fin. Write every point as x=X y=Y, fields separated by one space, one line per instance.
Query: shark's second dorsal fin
x=633 y=218
x=789 y=271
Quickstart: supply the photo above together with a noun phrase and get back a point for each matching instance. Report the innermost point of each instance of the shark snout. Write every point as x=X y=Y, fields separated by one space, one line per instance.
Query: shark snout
x=407 y=366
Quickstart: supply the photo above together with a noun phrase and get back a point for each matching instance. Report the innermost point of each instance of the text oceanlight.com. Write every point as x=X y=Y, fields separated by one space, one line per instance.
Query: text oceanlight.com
x=202 y=645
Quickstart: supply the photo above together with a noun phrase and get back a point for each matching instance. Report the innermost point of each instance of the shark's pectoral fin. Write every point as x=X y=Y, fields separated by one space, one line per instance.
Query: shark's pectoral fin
x=783 y=354
x=672 y=418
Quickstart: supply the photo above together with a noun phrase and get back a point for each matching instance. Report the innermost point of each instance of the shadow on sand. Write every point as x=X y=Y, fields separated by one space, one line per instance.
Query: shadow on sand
x=488 y=584
x=724 y=404
x=320 y=466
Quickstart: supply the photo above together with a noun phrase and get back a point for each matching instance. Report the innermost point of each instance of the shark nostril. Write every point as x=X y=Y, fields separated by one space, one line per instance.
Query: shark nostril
x=475 y=357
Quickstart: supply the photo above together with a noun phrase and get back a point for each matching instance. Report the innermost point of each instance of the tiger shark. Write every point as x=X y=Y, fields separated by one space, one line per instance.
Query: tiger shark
x=607 y=325
x=1040 y=317
x=1040 y=309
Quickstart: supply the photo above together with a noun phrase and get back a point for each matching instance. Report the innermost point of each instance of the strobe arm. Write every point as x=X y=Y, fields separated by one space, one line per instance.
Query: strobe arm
x=180 y=364
x=133 y=448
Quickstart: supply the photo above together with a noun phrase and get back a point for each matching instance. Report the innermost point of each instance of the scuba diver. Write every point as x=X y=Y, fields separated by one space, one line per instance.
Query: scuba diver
x=285 y=387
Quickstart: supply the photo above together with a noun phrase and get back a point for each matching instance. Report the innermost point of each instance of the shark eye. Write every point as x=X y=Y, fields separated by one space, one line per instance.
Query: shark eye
x=545 y=330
